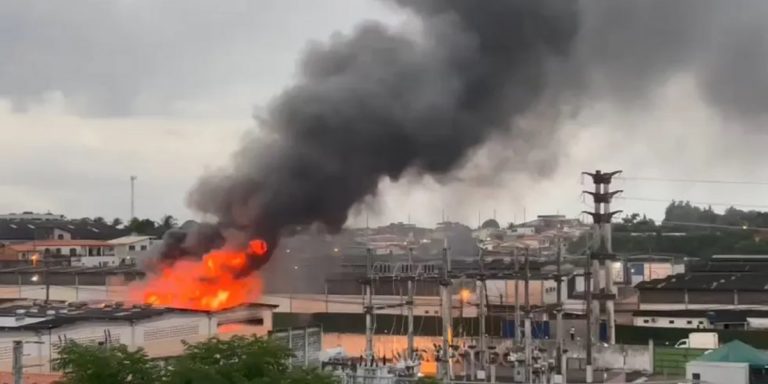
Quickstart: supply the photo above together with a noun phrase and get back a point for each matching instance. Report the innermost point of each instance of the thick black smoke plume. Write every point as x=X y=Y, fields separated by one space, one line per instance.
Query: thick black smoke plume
x=380 y=101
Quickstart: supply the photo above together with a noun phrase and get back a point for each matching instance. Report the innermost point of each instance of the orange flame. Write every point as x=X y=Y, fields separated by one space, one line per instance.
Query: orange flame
x=216 y=282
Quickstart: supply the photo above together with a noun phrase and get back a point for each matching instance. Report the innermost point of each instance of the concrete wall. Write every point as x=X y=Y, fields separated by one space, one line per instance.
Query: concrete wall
x=354 y=344
x=671 y=322
x=629 y=357
x=95 y=261
x=165 y=332
x=496 y=288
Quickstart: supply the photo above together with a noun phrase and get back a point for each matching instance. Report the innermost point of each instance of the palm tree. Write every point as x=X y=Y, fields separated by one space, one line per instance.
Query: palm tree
x=117 y=222
x=168 y=222
x=142 y=226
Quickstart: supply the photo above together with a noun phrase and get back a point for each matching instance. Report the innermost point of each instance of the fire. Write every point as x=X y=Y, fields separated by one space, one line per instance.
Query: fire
x=219 y=281
x=258 y=247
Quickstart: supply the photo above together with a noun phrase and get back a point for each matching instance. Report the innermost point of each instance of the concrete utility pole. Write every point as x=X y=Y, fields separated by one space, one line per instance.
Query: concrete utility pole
x=528 y=349
x=527 y=335
x=559 y=280
x=610 y=289
x=18 y=362
x=526 y=286
x=133 y=195
x=481 y=314
x=588 y=314
x=518 y=319
x=409 y=304
x=600 y=251
x=445 y=301
x=368 y=309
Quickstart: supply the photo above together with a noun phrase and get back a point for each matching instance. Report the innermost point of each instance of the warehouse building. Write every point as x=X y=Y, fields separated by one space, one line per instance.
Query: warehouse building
x=724 y=282
x=705 y=291
x=160 y=331
x=702 y=319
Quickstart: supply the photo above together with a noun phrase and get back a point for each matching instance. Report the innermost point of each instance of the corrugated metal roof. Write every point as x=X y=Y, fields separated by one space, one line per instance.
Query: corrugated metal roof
x=129 y=240
x=709 y=281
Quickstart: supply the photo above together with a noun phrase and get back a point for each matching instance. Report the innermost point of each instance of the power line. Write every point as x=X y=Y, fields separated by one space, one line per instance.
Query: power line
x=744 y=227
x=656 y=200
x=694 y=181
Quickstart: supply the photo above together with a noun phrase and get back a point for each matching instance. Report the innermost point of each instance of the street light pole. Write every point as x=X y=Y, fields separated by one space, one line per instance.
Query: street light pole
x=133 y=195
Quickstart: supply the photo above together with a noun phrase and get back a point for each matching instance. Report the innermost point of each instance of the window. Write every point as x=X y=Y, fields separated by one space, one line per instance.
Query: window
x=646 y=321
x=73 y=252
x=58 y=251
x=60 y=236
x=689 y=322
x=131 y=248
x=143 y=247
x=696 y=377
x=671 y=321
x=701 y=322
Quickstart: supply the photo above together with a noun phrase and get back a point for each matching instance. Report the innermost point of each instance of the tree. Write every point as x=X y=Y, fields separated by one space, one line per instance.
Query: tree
x=117 y=222
x=97 y=364
x=168 y=222
x=142 y=226
x=99 y=220
x=239 y=360
x=630 y=219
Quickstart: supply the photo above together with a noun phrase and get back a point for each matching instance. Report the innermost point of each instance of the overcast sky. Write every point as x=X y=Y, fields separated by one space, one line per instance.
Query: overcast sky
x=92 y=92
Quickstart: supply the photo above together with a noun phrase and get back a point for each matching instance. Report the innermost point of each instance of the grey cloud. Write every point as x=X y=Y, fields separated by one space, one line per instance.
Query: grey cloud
x=113 y=58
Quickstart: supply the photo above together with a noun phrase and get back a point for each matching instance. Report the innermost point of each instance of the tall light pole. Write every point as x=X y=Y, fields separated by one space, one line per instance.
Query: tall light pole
x=133 y=197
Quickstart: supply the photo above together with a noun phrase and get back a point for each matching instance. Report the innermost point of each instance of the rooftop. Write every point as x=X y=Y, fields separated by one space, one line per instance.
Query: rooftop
x=129 y=239
x=35 y=245
x=64 y=269
x=56 y=315
x=28 y=230
x=716 y=316
x=709 y=282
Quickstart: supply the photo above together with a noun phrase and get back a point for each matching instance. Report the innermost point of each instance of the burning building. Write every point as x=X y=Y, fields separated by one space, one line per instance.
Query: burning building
x=222 y=279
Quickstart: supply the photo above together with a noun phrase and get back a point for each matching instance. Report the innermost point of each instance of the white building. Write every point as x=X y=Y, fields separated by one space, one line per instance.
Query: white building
x=744 y=318
x=717 y=372
x=672 y=319
x=81 y=253
x=159 y=331
x=129 y=249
